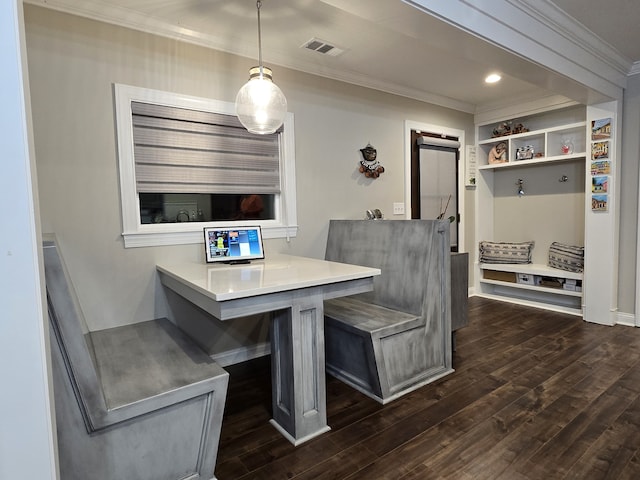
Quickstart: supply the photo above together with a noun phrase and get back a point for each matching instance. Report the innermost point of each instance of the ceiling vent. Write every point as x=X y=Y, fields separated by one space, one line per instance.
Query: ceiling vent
x=322 y=47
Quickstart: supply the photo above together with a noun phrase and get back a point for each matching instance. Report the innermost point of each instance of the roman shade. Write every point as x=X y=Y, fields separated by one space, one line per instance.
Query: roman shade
x=178 y=150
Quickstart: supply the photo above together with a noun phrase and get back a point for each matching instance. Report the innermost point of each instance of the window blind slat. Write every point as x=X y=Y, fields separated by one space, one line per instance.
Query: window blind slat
x=161 y=156
x=202 y=188
x=188 y=151
x=148 y=175
x=265 y=143
x=200 y=141
x=178 y=113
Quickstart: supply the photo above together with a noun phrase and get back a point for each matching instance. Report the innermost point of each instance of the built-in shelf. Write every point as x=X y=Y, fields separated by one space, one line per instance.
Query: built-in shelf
x=546 y=144
x=533 y=271
x=505 y=216
x=551 y=298
x=535 y=161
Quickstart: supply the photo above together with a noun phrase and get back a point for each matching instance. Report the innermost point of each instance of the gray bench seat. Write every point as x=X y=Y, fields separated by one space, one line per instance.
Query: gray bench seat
x=139 y=401
x=390 y=341
x=150 y=365
x=373 y=319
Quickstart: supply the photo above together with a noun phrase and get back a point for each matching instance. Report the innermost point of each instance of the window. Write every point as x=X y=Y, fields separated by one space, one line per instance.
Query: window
x=186 y=163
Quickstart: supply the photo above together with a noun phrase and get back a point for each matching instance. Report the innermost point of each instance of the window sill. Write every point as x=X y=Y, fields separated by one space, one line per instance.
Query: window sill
x=191 y=234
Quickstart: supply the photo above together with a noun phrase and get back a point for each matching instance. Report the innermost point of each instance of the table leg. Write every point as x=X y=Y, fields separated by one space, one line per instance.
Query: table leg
x=297 y=370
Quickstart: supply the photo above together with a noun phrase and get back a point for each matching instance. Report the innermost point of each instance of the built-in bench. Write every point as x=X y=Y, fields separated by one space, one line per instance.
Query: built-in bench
x=533 y=284
x=390 y=341
x=139 y=401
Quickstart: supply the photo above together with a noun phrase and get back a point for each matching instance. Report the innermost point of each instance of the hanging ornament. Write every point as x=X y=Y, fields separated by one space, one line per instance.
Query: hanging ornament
x=369 y=164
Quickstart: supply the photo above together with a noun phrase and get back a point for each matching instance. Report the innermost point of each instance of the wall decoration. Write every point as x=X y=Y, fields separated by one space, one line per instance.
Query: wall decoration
x=369 y=164
x=601 y=129
x=567 y=146
x=507 y=128
x=599 y=203
x=525 y=153
x=498 y=154
x=601 y=167
x=600 y=184
x=600 y=164
x=599 y=150
x=471 y=163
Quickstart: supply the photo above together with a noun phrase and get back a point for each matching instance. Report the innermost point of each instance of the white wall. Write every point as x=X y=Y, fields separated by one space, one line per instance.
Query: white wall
x=549 y=211
x=26 y=436
x=628 y=174
x=73 y=63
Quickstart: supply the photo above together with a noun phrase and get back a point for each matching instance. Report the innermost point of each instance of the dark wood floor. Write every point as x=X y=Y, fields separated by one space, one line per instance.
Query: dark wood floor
x=535 y=395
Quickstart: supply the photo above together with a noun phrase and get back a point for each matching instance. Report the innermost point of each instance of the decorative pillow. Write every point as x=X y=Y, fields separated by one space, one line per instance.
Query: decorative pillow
x=505 y=252
x=566 y=257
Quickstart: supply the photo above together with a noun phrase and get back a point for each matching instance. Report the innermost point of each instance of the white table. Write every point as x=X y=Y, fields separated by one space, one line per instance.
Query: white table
x=293 y=289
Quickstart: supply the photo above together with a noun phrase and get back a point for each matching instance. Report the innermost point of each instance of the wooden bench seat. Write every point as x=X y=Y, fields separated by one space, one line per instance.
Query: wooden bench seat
x=390 y=341
x=136 y=401
x=368 y=317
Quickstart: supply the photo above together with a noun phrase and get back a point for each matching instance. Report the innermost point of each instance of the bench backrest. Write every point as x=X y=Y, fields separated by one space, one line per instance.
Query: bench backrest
x=413 y=256
x=69 y=327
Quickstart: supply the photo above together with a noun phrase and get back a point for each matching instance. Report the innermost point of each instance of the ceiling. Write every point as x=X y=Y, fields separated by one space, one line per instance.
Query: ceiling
x=387 y=45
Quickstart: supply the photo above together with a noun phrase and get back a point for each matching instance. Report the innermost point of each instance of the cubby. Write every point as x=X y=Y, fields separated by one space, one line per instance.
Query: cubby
x=551 y=206
x=546 y=142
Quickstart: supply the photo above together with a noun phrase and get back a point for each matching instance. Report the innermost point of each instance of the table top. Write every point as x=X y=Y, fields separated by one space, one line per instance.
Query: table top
x=276 y=273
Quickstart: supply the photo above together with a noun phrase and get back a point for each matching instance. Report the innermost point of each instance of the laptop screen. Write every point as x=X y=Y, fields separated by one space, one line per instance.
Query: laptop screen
x=233 y=245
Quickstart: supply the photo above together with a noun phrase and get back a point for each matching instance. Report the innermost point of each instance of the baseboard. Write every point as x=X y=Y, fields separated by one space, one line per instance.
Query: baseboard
x=627 y=319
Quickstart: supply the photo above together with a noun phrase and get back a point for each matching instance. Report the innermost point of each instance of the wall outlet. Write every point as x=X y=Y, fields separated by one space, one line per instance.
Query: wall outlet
x=398 y=208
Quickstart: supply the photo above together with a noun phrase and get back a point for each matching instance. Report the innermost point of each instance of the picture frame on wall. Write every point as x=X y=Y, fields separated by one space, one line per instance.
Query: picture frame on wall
x=471 y=166
x=599 y=150
x=599 y=203
x=601 y=167
x=599 y=184
x=601 y=129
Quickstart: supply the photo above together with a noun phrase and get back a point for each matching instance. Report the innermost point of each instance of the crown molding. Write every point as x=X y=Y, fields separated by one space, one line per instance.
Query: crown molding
x=574 y=32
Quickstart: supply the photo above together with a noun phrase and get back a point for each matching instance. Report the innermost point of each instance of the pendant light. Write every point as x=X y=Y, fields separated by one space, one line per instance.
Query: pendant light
x=260 y=104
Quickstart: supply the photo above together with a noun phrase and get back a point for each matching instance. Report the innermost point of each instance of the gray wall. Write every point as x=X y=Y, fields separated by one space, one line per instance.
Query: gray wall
x=73 y=63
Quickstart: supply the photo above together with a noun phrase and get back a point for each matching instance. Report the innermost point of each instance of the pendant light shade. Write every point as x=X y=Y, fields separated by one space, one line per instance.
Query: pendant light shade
x=260 y=104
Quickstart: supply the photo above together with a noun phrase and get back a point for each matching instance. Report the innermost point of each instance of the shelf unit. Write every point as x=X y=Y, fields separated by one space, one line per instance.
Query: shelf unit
x=546 y=143
x=558 y=299
x=496 y=194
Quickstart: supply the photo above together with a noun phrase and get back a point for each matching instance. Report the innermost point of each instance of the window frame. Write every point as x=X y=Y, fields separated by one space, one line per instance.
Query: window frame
x=135 y=233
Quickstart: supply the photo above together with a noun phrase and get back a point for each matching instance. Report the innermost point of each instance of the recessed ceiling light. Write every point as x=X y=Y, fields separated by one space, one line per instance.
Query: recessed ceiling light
x=493 y=78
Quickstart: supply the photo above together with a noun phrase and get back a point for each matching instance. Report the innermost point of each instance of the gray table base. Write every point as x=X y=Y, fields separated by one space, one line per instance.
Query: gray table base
x=297 y=370
x=297 y=348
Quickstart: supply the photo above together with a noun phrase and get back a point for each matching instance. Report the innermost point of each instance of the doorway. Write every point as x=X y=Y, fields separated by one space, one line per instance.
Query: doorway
x=435 y=176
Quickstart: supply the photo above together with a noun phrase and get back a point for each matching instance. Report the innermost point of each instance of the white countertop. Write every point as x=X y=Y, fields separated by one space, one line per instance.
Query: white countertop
x=276 y=273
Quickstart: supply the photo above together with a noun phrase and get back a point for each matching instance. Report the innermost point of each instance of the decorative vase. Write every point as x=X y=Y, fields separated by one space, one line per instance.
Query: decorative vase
x=567 y=147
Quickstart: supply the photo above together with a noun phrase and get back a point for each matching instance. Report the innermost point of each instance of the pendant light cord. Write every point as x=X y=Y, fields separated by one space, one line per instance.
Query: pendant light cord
x=258 y=5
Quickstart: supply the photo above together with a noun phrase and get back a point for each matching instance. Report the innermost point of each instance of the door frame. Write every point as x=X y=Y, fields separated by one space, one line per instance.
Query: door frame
x=410 y=125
